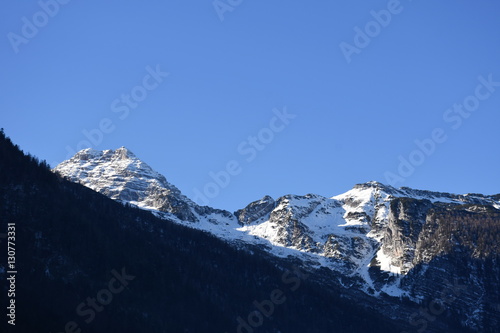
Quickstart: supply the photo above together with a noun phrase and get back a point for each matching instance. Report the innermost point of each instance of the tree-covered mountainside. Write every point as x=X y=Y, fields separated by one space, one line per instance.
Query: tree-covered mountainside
x=86 y=262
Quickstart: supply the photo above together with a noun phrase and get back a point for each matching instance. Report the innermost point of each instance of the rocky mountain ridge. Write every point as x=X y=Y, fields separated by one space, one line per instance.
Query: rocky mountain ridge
x=385 y=240
x=120 y=175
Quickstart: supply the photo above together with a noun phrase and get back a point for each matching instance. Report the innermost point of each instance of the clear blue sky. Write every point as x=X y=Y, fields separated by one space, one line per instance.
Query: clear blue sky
x=354 y=120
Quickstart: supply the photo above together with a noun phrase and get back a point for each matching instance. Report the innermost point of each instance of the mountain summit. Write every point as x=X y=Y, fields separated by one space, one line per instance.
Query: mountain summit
x=375 y=238
x=120 y=175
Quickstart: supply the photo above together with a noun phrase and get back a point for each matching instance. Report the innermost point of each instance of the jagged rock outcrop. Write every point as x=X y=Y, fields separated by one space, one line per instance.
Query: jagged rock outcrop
x=255 y=210
x=120 y=175
x=404 y=224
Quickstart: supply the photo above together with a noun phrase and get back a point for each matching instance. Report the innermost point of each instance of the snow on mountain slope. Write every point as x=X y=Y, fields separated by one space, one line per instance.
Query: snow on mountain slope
x=120 y=175
x=356 y=233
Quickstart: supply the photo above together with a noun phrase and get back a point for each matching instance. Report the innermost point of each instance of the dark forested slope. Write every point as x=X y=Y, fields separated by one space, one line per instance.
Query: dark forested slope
x=88 y=264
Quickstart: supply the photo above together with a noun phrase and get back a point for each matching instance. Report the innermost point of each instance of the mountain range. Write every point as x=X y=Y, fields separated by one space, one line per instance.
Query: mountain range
x=105 y=243
x=377 y=239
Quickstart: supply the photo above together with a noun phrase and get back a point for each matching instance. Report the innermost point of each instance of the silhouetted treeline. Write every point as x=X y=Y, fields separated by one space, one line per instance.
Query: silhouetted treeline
x=69 y=240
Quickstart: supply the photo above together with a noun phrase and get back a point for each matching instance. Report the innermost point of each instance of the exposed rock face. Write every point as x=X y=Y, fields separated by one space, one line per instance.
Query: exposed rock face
x=120 y=175
x=404 y=224
x=449 y=255
x=255 y=210
x=380 y=239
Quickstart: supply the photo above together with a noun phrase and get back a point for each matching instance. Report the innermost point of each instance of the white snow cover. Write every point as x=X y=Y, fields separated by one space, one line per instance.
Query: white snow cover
x=344 y=232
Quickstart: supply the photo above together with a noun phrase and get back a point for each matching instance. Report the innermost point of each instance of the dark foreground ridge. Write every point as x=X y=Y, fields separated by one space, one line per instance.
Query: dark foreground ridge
x=89 y=264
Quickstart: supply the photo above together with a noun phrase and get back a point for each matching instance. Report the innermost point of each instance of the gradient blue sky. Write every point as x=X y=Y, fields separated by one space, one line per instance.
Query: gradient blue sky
x=353 y=120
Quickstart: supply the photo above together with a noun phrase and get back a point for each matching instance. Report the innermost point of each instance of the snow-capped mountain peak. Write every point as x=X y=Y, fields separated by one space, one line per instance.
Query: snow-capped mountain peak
x=120 y=175
x=371 y=228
